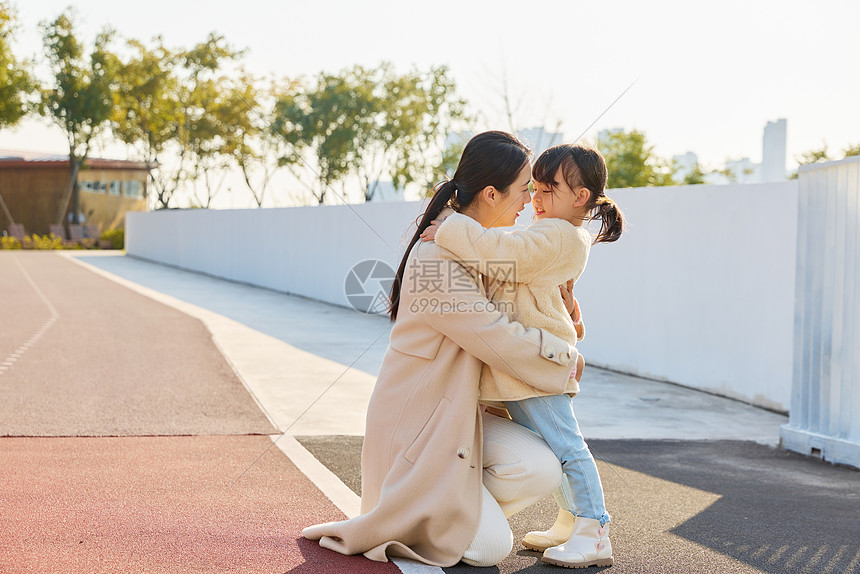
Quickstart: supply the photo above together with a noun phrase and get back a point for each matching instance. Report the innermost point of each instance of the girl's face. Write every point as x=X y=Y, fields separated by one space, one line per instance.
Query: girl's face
x=510 y=204
x=561 y=202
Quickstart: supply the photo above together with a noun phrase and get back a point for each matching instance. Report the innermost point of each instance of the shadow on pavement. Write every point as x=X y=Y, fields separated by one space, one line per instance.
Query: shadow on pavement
x=777 y=511
x=692 y=506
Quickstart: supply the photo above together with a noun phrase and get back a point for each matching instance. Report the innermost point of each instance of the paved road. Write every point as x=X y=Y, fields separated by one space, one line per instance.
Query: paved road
x=86 y=357
x=76 y=346
x=99 y=384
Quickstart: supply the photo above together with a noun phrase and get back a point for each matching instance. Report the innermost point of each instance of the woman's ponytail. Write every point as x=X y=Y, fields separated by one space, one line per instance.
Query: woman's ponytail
x=611 y=220
x=443 y=195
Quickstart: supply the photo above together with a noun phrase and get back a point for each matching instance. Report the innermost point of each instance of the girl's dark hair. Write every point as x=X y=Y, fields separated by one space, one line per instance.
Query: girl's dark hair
x=583 y=166
x=490 y=158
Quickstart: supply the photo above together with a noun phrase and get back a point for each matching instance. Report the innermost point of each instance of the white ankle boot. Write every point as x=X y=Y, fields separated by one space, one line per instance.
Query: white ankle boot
x=558 y=533
x=588 y=546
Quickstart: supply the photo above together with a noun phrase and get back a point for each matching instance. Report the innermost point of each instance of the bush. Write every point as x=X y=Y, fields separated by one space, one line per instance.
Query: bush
x=47 y=242
x=36 y=241
x=116 y=237
x=9 y=242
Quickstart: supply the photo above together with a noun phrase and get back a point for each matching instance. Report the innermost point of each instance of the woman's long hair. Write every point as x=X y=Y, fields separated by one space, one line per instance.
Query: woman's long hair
x=490 y=158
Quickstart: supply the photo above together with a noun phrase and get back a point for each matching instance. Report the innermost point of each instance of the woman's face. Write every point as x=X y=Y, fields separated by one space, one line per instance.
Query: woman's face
x=507 y=210
x=559 y=203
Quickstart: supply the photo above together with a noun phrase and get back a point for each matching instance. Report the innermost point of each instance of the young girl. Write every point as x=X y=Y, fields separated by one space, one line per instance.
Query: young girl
x=529 y=266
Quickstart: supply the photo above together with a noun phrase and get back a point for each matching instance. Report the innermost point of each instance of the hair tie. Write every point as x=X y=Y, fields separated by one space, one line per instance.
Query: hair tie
x=456 y=190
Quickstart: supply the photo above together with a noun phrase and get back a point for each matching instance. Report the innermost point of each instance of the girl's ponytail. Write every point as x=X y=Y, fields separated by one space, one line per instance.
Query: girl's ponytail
x=611 y=220
x=442 y=196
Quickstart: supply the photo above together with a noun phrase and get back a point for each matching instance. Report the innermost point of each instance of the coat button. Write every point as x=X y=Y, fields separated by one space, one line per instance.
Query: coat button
x=550 y=352
x=463 y=452
x=565 y=356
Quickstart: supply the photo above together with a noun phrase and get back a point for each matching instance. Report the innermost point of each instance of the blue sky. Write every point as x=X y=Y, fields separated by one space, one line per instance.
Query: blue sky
x=708 y=75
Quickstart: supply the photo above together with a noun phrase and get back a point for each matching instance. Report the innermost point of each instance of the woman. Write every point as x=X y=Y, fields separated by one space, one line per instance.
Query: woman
x=427 y=446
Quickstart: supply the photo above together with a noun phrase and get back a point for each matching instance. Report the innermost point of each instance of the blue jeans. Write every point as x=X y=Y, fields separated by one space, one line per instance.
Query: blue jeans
x=552 y=417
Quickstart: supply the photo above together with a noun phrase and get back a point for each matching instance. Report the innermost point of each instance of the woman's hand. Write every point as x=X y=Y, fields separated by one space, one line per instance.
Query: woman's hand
x=429 y=234
x=572 y=306
x=570 y=302
x=580 y=366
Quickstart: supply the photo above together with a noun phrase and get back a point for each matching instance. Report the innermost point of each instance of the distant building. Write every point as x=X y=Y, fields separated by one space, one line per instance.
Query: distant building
x=773 y=151
x=540 y=140
x=684 y=165
x=32 y=186
x=743 y=170
x=772 y=166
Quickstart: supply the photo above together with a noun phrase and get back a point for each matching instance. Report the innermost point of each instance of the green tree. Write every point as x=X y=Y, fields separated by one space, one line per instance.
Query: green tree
x=367 y=123
x=166 y=100
x=80 y=101
x=413 y=113
x=852 y=150
x=814 y=156
x=15 y=83
x=246 y=114
x=329 y=122
x=817 y=155
x=631 y=161
x=695 y=176
x=147 y=112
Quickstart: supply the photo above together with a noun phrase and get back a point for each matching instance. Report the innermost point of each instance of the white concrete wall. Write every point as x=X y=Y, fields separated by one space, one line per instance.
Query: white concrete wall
x=305 y=251
x=699 y=291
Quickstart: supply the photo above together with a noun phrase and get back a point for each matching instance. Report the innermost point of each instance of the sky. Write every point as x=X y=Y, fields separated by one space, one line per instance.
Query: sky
x=706 y=76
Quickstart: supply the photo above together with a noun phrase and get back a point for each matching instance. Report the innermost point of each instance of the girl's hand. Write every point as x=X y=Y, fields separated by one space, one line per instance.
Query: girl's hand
x=429 y=234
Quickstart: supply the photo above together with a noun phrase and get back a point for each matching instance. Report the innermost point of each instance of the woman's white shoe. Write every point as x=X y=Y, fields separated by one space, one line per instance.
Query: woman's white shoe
x=588 y=546
x=559 y=532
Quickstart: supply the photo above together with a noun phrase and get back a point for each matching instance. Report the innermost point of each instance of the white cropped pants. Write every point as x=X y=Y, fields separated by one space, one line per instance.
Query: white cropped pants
x=519 y=470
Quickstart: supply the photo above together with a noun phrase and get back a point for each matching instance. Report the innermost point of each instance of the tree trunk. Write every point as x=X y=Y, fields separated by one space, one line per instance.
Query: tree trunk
x=6 y=211
x=76 y=201
x=71 y=190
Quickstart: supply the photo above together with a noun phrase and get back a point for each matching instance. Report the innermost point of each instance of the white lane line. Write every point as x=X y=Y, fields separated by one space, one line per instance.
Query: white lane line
x=341 y=496
x=345 y=499
x=19 y=352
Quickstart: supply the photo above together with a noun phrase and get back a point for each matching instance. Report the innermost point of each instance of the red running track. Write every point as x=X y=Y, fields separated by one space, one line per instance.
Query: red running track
x=161 y=504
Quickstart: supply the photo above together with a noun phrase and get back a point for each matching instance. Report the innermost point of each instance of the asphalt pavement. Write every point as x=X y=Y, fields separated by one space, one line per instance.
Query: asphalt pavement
x=693 y=507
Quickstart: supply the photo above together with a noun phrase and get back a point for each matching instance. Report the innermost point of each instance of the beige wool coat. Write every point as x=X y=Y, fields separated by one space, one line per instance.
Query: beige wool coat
x=421 y=461
x=527 y=266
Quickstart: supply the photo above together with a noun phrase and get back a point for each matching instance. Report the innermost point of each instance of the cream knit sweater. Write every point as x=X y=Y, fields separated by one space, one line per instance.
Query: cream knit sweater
x=526 y=266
